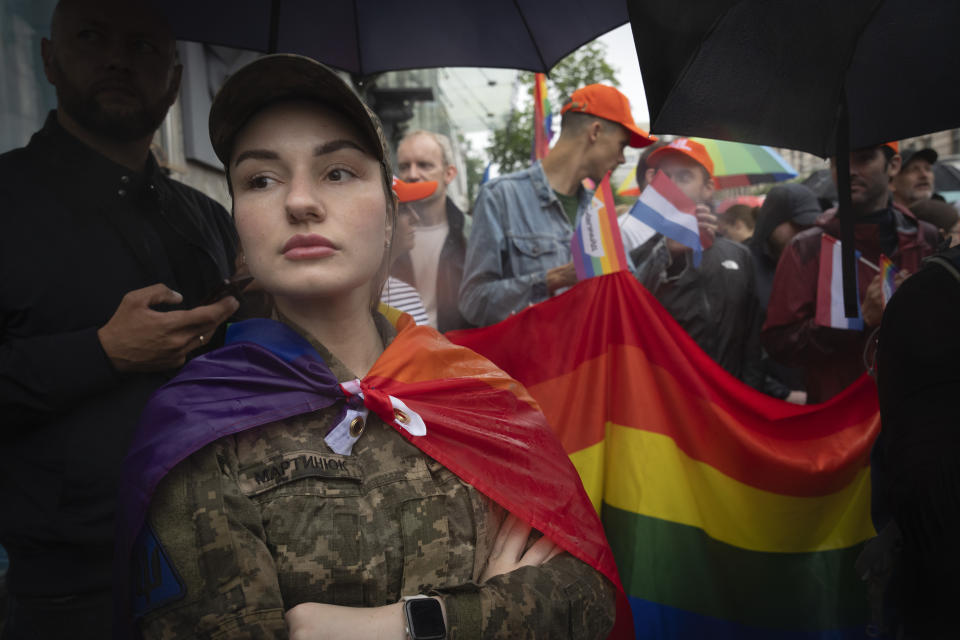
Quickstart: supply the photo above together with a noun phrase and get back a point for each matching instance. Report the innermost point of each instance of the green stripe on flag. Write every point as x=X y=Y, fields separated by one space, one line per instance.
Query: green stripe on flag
x=681 y=566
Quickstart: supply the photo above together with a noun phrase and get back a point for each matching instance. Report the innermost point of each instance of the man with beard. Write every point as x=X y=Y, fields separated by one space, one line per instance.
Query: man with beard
x=833 y=358
x=107 y=264
x=519 y=248
x=914 y=182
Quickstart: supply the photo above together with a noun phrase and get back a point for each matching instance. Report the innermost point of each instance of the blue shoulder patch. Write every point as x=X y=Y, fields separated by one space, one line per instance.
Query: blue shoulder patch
x=154 y=581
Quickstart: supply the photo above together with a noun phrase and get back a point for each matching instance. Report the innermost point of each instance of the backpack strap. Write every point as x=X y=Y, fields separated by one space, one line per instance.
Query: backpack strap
x=949 y=260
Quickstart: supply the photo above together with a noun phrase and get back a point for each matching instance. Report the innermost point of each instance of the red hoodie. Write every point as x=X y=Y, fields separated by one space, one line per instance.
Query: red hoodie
x=831 y=358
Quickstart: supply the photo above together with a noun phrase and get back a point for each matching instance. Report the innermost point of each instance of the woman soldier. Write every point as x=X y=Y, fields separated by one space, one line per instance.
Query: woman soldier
x=329 y=475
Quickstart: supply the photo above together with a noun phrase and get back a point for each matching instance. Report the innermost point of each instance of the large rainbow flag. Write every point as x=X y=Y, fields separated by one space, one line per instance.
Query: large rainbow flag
x=730 y=514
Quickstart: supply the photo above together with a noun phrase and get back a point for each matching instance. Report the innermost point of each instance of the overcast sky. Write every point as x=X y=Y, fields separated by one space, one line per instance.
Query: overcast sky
x=464 y=88
x=622 y=54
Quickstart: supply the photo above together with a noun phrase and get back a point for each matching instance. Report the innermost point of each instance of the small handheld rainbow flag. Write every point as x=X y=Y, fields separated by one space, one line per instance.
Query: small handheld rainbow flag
x=830 y=288
x=597 y=246
x=542 y=117
x=888 y=275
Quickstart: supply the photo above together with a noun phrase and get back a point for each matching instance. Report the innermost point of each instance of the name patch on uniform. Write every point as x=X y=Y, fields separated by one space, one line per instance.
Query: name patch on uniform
x=155 y=581
x=294 y=466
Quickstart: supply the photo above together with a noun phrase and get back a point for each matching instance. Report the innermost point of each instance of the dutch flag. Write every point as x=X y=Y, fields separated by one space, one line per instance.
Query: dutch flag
x=665 y=208
x=830 y=288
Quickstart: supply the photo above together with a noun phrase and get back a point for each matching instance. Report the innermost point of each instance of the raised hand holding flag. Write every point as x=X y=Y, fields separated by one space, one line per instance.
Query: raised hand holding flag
x=669 y=211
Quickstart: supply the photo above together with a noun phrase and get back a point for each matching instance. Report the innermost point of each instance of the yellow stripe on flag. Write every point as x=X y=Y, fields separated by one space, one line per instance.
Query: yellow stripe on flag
x=649 y=475
x=589 y=464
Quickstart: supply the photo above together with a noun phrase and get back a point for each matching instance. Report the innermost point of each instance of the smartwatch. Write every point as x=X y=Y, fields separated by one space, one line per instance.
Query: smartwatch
x=424 y=618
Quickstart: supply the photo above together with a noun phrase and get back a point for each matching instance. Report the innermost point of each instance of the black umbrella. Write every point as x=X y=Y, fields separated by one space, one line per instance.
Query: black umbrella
x=787 y=74
x=370 y=36
x=822 y=184
x=946 y=177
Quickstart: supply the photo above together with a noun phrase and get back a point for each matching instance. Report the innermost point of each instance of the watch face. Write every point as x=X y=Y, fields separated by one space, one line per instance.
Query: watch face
x=425 y=619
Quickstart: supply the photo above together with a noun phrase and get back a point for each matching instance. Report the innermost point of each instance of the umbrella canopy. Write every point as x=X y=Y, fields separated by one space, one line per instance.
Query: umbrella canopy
x=822 y=184
x=775 y=73
x=371 y=36
x=820 y=76
x=750 y=201
x=734 y=165
x=740 y=165
x=946 y=181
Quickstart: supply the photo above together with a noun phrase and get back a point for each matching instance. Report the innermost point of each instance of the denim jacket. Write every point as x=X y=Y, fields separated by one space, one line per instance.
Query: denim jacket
x=519 y=231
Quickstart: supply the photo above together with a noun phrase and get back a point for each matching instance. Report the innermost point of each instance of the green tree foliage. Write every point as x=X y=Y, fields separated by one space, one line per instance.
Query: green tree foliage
x=475 y=165
x=512 y=143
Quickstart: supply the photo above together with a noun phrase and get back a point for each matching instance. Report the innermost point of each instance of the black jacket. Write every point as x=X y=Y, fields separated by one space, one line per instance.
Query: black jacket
x=915 y=478
x=716 y=304
x=449 y=272
x=77 y=232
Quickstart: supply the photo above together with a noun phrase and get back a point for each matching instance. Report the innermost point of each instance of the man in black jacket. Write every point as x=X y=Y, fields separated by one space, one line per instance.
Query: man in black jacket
x=435 y=265
x=715 y=303
x=106 y=265
x=787 y=210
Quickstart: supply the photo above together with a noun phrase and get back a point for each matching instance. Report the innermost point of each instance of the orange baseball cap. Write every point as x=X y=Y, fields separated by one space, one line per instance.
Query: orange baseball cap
x=690 y=148
x=413 y=191
x=895 y=145
x=606 y=102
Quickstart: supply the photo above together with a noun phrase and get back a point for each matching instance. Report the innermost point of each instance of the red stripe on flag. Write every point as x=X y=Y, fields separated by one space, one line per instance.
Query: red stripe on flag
x=618 y=355
x=825 y=281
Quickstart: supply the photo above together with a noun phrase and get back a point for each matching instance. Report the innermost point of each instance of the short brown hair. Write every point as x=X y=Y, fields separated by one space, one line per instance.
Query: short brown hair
x=742 y=212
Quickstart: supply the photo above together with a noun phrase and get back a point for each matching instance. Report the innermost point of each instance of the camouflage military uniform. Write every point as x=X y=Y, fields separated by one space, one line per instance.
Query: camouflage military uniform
x=261 y=521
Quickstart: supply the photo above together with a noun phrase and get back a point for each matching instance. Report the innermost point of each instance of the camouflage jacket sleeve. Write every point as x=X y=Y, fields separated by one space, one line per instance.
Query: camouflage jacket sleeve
x=213 y=538
x=564 y=598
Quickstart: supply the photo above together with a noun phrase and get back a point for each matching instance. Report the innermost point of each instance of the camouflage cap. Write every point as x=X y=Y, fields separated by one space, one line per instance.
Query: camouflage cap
x=285 y=76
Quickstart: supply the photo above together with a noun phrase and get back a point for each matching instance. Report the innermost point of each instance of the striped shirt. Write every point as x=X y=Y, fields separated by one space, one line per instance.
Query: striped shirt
x=400 y=295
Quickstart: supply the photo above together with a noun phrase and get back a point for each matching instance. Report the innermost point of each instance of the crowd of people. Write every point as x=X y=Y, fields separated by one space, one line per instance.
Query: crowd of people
x=332 y=517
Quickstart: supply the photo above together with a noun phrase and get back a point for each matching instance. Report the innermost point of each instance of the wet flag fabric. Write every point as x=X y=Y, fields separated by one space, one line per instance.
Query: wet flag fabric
x=731 y=514
x=830 y=312
x=597 y=246
x=665 y=208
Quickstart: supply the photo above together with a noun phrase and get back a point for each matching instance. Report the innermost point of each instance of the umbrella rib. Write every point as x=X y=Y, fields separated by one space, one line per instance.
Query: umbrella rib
x=274 y=34
x=842 y=93
x=533 y=40
x=356 y=33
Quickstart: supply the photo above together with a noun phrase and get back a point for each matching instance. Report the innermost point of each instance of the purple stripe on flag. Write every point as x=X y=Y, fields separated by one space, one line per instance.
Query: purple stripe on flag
x=581 y=261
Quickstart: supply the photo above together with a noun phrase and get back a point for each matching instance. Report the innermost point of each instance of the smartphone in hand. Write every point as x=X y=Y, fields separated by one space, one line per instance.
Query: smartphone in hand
x=233 y=287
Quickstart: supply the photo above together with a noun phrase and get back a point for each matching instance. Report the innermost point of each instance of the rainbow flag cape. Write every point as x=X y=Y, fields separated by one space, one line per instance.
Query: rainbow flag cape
x=480 y=424
x=542 y=117
x=731 y=514
x=597 y=245
x=830 y=311
x=888 y=275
